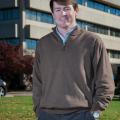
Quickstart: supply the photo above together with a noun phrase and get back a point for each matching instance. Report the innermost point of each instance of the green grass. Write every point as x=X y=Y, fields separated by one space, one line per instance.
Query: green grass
x=20 y=108
x=113 y=111
x=16 y=108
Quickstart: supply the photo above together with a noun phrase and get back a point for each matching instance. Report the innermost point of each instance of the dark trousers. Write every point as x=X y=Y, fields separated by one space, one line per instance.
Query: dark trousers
x=81 y=115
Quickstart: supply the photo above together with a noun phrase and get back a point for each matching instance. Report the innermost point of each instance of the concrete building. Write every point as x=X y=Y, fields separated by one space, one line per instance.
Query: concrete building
x=25 y=21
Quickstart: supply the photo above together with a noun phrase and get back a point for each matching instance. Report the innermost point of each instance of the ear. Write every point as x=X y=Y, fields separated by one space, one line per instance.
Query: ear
x=53 y=15
x=76 y=13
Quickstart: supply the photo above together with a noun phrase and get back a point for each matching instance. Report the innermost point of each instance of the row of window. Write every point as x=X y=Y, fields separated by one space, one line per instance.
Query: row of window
x=29 y=43
x=98 y=28
x=39 y=16
x=47 y=17
x=9 y=14
x=12 y=41
x=100 y=6
x=114 y=54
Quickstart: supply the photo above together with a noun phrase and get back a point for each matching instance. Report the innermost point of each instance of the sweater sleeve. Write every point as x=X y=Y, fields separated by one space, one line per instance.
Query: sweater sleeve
x=103 y=88
x=36 y=83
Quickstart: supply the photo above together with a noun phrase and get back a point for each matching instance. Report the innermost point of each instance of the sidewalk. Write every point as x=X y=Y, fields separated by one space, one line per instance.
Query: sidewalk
x=18 y=93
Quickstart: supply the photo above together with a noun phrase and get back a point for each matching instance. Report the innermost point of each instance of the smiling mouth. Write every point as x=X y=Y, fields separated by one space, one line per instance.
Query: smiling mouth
x=64 y=19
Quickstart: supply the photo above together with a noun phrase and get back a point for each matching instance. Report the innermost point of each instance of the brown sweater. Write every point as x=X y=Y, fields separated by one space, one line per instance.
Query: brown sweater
x=75 y=76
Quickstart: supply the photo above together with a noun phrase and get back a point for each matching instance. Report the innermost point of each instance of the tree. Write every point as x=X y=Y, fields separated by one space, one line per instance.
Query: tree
x=13 y=64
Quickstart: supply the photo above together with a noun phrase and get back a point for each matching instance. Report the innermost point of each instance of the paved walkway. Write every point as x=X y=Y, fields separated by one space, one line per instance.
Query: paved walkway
x=19 y=93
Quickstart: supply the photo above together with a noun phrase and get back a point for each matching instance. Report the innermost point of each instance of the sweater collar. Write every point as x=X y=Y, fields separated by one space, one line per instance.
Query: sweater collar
x=73 y=34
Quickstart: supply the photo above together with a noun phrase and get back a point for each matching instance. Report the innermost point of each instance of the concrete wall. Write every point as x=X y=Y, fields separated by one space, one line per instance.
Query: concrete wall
x=36 y=32
x=38 y=4
x=98 y=17
x=114 y=3
x=112 y=43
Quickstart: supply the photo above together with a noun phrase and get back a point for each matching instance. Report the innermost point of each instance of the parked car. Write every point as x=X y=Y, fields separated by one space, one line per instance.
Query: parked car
x=3 y=88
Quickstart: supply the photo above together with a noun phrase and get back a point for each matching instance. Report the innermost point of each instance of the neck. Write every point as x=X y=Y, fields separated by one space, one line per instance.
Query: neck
x=65 y=30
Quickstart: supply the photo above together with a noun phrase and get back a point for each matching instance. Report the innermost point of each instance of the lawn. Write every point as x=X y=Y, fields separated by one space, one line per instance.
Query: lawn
x=16 y=108
x=20 y=108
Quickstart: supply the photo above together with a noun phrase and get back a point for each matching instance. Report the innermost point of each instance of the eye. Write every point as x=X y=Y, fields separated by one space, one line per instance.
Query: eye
x=67 y=8
x=57 y=10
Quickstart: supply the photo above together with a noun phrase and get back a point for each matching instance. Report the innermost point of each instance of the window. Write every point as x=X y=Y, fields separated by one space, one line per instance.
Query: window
x=112 y=10
x=81 y=2
x=118 y=12
x=107 y=9
x=15 y=13
x=114 y=32
x=90 y=4
x=114 y=54
x=99 y=6
x=31 y=43
x=9 y=14
x=1 y=15
x=31 y=15
x=82 y=24
x=12 y=41
x=39 y=16
x=98 y=28
x=102 y=7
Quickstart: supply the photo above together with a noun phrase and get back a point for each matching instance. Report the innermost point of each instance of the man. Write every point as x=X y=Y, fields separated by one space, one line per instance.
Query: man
x=72 y=76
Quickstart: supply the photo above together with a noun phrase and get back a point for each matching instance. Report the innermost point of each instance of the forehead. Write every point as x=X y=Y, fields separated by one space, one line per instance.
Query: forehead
x=65 y=2
x=56 y=4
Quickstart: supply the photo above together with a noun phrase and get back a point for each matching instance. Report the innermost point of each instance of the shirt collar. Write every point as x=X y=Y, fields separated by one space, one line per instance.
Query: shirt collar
x=67 y=33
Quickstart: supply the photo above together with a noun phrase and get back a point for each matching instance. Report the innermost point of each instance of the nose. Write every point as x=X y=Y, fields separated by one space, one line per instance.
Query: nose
x=64 y=13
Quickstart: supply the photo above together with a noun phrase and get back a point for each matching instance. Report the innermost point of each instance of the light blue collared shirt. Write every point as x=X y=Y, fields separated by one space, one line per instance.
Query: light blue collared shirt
x=65 y=38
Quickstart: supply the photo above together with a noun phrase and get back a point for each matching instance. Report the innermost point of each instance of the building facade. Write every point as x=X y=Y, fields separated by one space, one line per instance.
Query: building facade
x=26 y=21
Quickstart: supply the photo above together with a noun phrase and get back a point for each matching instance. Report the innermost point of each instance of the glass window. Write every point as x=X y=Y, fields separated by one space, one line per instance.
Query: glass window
x=33 y=15
x=27 y=14
x=106 y=8
x=5 y=15
x=30 y=43
x=114 y=32
x=118 y=12
x=82 y=24
x=90 y=4
x=102 y=7
x=13 y=41
x=114 y=54
x=91 y=27
x=81 y=2
x=15 y=13
x=99 y=6
x=1 y=15
x=117 y=33
x=46 y=18
x=112 y=10
x=39 y=16
x=9 y=14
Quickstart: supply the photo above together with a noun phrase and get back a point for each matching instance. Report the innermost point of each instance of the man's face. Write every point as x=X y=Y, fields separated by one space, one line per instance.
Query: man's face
x=64 y=15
